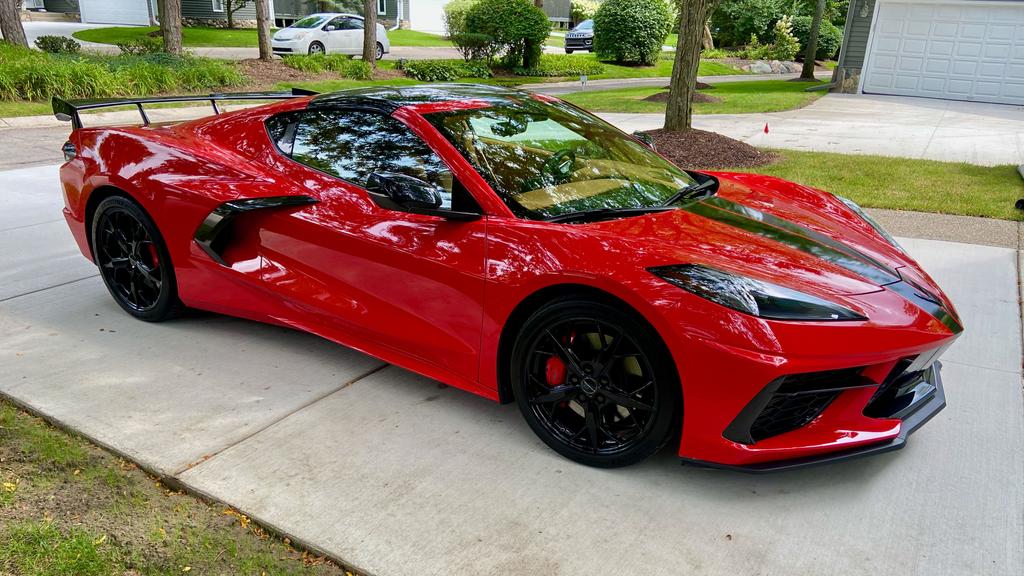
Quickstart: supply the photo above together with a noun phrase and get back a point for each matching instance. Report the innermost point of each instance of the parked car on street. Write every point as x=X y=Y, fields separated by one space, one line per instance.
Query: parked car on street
x=522 y=249
x=580 y=38
x=327 y=33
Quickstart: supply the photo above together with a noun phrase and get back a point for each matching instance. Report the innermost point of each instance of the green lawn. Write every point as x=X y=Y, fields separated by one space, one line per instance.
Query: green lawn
x=211 y=37
x=737 y=98
x=903 y=184
x=69 y=508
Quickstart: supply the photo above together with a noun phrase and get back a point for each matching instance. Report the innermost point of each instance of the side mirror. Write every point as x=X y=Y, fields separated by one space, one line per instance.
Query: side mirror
x=331 y=28
x=409 y=194
x=645 y=139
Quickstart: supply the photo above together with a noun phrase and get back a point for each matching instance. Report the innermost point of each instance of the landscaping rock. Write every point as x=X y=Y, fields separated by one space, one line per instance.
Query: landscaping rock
x=772 y=67
x=759 y=67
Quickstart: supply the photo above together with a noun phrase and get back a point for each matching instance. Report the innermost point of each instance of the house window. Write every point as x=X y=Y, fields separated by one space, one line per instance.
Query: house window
x=218 y=5
x=382 y=7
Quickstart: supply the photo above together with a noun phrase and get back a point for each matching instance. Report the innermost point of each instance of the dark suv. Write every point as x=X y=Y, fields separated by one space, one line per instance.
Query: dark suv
x=580 y=38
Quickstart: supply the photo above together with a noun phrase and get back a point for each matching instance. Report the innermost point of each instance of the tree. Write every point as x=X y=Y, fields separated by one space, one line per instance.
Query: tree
x=232 y=6
x=692 y=16
x=170 y=25
x=10 y=22
x=811 y=50
x=370 y=32
x=263 y=29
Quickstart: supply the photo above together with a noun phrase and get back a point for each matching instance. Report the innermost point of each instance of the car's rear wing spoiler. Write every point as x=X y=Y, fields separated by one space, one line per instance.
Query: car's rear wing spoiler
x=68 y=110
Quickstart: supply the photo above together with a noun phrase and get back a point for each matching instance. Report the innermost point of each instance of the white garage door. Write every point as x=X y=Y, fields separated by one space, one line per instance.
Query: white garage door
x=114 y=11
x=961 y=51
x=427 y=15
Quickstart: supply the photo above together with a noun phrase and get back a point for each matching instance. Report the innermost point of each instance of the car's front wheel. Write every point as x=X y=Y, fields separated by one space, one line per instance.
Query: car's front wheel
x=316 y=48
x=595 y=382
x=133 y=260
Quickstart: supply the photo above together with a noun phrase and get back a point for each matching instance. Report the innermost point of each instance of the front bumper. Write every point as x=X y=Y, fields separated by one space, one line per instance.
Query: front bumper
x=579 y=43
x=286 y=47
x=911 y=418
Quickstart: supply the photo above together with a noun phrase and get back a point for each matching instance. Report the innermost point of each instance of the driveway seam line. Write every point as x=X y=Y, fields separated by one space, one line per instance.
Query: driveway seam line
x=980 y=367
x=23 y=226
x=206 y=458
x=38 y=290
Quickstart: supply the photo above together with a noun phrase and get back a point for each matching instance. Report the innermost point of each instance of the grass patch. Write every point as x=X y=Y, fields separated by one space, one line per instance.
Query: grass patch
x=904 y=184
x=200 y=37
x=339 y=63
x=68 y=508
x=414 y=38
x=736 y=98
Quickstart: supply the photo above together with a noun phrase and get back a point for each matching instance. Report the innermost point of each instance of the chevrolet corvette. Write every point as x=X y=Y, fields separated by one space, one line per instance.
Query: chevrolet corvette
x=522 y=249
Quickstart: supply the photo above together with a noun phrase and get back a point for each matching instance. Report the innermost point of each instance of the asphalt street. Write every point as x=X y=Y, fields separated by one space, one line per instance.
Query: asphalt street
x=396 y=474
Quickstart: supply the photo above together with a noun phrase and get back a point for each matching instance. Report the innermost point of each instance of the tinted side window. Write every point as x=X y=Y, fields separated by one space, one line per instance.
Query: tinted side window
x=353 y=144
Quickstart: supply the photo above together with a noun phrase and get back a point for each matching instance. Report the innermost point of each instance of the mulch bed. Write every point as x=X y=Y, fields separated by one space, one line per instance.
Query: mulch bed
x=262 y=74
x=701 y=150
x=697 y=97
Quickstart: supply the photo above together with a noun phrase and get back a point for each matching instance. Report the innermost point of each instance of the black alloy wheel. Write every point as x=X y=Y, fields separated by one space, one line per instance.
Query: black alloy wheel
x=595 y=383
x=133 y=260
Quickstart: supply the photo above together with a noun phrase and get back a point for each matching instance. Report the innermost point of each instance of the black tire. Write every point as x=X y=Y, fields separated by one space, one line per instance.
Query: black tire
x=133 y=260
x=618 y=383
x=316 y=48
x=380 y=51
x=567 y=51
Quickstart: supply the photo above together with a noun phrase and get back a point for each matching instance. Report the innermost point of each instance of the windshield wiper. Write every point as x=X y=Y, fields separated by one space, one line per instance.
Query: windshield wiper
x=691 y=191
x=605 y=213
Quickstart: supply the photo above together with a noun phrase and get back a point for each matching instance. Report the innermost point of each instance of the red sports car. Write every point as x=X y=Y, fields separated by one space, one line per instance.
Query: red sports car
x=522 y=249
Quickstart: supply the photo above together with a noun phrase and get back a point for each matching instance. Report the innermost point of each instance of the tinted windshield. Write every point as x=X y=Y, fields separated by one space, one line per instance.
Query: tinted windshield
x=549 y=159
x=584 y=26
x=309 y=22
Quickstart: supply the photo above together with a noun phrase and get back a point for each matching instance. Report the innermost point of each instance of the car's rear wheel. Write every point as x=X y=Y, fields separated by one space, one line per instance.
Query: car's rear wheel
x=594 y=382
x=316 y=48
x=133 y=260
x=380 y=51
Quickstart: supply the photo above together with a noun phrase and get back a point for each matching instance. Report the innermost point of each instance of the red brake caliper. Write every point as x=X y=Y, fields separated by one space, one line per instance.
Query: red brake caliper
x=554 y=369
x=154 y=256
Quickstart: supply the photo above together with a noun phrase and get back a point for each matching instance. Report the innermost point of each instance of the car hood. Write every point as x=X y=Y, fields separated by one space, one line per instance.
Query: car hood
x=289 y=33
x=774 y=230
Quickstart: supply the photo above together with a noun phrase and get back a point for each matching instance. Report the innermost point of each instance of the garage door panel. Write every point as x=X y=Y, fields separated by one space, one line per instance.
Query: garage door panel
x=114 y=12
x=957 y=49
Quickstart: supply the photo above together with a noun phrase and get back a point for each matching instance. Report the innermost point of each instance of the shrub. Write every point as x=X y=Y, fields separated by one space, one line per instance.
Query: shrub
x=31 y=75
x=475 y=46
x=446 y=70
x=735 y=21
x=142 y=45
x=455 y=16
x=830 y=38
x=58 y=45
x=518 y=28
x=563 y=65
x=784 y=45
x=583 y=10
x=631 y=31
x=341 y=64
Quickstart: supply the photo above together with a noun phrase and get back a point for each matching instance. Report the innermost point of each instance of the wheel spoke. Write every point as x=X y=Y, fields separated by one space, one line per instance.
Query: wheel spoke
x=568 y=354
x=627 y=401
x=591 y=425
x=557 y=394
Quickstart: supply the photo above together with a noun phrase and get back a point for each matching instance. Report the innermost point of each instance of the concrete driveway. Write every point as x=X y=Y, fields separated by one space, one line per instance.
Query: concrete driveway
x=984 y=134
x=34 y=30
x=396 y=474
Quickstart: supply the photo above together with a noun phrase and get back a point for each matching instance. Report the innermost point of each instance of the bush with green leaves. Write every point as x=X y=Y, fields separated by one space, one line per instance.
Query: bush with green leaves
x=58 y=45
x=455 y=16
x=142 y=45
x=563 y=65
x=583 y=10
x=784 y=44
x=32 y=75
x=341 y=64
x=734 y=21
x=830 y=38
x=446 y=70
x=518 y=28
x=631 y=31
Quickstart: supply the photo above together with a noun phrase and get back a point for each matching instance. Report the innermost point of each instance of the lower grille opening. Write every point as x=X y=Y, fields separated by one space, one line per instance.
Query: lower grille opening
x=791 y=402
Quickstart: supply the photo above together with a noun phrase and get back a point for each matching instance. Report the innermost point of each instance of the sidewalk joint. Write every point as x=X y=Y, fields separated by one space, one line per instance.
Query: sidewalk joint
x=38 y=290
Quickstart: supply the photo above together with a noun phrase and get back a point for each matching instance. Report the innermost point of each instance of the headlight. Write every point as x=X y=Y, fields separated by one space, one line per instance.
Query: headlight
x=298 y=36
x=864 y=215
x=755 y=297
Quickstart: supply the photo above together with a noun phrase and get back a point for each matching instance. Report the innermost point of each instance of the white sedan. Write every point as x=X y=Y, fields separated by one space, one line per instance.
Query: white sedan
x=327 y=33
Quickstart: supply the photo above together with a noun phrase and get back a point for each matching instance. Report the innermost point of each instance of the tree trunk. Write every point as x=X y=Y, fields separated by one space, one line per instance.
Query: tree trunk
x=693 y=15
x=10 y=22
x=263 y=29
x=370 y=32
x=231 y=14
x=170 y=26
x=708 y=42
x=807 y=73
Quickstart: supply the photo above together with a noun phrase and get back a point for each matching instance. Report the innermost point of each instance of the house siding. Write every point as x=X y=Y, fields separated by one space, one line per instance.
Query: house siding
x=202 y=12
x=855 y=45
x=558 y=10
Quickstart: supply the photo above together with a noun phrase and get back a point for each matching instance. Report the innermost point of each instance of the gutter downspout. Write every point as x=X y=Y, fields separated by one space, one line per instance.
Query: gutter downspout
x=398 y=15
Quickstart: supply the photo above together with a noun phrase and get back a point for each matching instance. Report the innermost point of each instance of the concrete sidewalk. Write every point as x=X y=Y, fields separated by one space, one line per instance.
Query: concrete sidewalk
x=947 y=130
x=395 y=474
x=557 y=88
